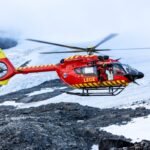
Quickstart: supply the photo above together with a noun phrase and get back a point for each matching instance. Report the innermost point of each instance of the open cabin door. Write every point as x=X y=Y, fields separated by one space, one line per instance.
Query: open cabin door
x=109 y=72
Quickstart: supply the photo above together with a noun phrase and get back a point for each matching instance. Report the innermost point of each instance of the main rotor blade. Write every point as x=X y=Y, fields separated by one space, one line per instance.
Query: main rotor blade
x=62 y=52
x=121 y=49
x=103 y=49
x=130 y=48
x=75 y=51
x=105 y=40
x=56 y=44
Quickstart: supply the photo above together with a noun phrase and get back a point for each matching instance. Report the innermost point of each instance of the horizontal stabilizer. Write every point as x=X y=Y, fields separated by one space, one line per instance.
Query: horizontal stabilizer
x=4 y=82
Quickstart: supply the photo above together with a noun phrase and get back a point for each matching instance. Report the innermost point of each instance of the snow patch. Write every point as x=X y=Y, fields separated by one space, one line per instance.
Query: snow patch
x=137 y=129
x=46 y=90
x=143 y=103
x=10 y=103
x=94 y=147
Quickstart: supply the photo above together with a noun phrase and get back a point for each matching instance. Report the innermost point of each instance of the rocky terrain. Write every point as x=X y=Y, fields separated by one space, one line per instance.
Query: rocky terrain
x=62 y=126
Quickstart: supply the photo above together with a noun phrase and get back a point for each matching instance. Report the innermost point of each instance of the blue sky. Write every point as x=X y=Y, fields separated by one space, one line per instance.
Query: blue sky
x=75 y=20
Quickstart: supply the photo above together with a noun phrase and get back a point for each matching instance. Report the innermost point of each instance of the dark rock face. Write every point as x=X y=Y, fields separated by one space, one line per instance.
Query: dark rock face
x=62 y=126
x=6 y=43
x=115 y=144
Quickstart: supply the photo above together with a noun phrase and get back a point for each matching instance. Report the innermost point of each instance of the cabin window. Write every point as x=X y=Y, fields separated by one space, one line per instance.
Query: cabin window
x=86 y=71
x=89 y=70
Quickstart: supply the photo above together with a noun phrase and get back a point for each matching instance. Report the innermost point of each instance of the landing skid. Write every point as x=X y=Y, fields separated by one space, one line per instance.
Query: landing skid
x=108 y=91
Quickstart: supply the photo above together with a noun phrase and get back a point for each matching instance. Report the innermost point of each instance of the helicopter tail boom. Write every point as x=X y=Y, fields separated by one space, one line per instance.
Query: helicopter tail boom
x=7 y=70
x=36 y=69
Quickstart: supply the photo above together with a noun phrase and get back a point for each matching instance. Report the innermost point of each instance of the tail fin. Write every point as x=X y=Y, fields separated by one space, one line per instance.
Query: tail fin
x=7 y=70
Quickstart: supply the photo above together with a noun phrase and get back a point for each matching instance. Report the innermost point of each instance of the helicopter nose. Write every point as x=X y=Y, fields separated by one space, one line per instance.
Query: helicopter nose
x=140 y=75
x=133 y=76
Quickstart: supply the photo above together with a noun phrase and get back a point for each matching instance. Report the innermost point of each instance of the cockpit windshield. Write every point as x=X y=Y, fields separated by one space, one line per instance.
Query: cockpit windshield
x=129 y=69
x=122 y=69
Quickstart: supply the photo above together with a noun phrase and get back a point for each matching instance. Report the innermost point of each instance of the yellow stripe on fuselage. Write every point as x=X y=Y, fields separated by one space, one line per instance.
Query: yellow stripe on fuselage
x=101 y=84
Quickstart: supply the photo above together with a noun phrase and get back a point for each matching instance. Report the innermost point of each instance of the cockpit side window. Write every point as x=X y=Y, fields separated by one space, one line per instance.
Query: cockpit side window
x=127 y=68
x=118 y=70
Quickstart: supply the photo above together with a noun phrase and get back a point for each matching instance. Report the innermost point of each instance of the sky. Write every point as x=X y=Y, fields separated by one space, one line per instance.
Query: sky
x=75 y=20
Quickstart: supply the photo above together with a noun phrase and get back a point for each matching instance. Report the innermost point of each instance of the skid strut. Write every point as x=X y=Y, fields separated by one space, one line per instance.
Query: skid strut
x=102 y=91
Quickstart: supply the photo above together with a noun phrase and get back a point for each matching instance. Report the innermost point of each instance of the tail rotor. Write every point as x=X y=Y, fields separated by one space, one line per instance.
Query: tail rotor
x=6 y=69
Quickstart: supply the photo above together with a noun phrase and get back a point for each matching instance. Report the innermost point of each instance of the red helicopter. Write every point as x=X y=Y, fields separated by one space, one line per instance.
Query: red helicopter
x=97 y=73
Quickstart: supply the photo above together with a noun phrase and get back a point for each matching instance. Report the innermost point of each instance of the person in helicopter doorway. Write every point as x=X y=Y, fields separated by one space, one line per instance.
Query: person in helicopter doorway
x=109 y=72
x=105 y=72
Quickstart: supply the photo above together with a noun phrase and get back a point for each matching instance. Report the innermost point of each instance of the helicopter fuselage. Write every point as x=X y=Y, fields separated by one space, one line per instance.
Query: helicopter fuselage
x=88 y=71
